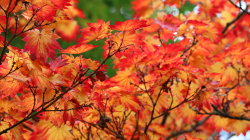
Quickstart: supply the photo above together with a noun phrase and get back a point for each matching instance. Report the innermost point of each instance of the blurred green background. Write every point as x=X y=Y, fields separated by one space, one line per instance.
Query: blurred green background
x=107 y=10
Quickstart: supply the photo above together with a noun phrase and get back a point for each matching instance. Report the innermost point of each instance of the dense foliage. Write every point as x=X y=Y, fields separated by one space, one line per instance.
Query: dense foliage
x=182 y=71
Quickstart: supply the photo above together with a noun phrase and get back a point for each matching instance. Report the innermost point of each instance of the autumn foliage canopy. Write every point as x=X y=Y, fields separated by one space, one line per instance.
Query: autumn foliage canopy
x=180 y=75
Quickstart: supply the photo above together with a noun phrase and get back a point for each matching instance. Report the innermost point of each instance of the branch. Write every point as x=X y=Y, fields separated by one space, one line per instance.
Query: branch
x=187 y=99
x=98 y=127
x=5 y=32
x=241 y=14
x=167 y=111
x=225 y=114
x=136 y=125
x=194 y=42
x=152 y=112
x=7 y=15
x=217 y=112
x=75 y=108
x=194 y=127
x=244 y=10
x=153 y=102
x=159 y=37
x=63 y=92
x=34 y=97
x=12 y=69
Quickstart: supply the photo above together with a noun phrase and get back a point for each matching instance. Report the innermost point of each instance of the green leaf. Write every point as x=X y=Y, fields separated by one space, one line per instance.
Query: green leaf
x=187 y=7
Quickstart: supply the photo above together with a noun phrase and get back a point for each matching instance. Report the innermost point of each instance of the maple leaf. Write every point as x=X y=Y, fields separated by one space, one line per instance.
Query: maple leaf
x=152 y=26
x=10 y=87
x=238 y=126
x=122 y=41
x=46 y=130
x=95 y=31
x=93 y=65
x=239 y=51
x=78 y=49
x=40 y=74
x=129 y=25
x=15 y=133
x=141 y=7
x=73 y=11
x=41 y=44
x=57 y=63
x=61 y=3
x=196 y=23
x=46 y=12
x=187 y=114
x=33 y=71
x=131 y=102
x=169 y=22
x=244 y=92
x=124 y=77
x=229 y=75
x=238 y=109
x=72 y=29
x=173 y=49
x=230 y=124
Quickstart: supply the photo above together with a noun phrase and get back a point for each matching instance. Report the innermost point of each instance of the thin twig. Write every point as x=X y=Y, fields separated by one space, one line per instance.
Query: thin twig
x=75 y=108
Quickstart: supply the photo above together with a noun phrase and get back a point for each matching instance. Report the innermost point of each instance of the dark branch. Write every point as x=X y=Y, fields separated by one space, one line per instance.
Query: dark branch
x=241 y=14
x=240 y=7
x=194 y=127
x=75 y=108
x=217 y=112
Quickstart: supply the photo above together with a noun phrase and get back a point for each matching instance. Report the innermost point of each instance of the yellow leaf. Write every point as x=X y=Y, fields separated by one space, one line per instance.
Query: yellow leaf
x=72 y=29
x=130 y=102
x=59 y=133
x=238 y=126
x=47 y=130
x=124 y=77
x=230 y=75
x=237 y=109
x=78 y=49
x=93 y=65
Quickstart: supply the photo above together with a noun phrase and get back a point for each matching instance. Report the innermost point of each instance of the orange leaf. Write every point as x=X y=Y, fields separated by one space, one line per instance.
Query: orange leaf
x=41 y=44
x=131 y=102
x=46 y=12
x=46 y=130
x=129 y=25
x=230 y=75
x=196 y=23
x=78 y=49
x=152 y=26
x=61 y=3
x=96 y=31
x=93 y=65
x=10 y=87
x=71 y=32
